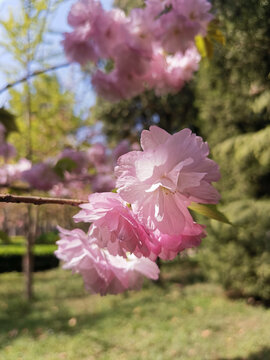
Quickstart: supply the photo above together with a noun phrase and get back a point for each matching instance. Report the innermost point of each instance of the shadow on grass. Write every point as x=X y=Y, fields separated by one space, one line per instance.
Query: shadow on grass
x=54 y=307
x=263 y=354
x=23 y=319
x=184 y=271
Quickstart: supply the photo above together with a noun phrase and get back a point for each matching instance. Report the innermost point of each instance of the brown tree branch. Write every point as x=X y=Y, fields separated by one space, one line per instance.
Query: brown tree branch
x=35 y=73
x=37 y=200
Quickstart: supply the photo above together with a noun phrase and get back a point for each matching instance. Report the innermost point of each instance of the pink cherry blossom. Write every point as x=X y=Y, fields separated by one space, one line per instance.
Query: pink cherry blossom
x=177 y=28
x=102 y=183
x=195 y=11
x=151 y=48
x=7 y=151
x=178 y=32
x=79 y=44
x=79 y=48
x=122 y=148
x=60 y=190
x=41 y=176
x=110 y=32
x=12 y=172
x=163 y=179
x=107 y=85
x=154 y=8
x=80 y=159
x=172 y=245
x=116 y=85
x=115 y=226
x=170 y=73
x=84 y=11
x=102 y=273
x=97 y=154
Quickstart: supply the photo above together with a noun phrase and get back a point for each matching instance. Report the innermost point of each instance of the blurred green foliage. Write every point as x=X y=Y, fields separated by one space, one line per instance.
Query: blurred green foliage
x=48 y=238
x=231 y=90
x=12 y=253
x=53 y=119
x=232 y=97
x=239 y=256
x=14 y=249
x=127 y=118
x=8 y=120
x=4 y=238
x=245 y=165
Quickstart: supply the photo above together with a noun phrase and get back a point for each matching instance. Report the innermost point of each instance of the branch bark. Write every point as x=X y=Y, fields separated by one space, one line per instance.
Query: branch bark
x=37 y=200
x=35 y=73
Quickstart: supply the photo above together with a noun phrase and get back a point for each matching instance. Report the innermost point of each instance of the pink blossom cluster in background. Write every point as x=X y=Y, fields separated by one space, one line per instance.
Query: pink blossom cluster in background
x=147 y=218
x=152 y=48
x=7 y=151
x=71 y=173
x=9 y=172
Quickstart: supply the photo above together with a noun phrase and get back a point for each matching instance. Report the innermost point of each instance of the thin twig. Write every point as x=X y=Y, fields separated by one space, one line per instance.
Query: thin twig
x=37 y=200
x=35 y=73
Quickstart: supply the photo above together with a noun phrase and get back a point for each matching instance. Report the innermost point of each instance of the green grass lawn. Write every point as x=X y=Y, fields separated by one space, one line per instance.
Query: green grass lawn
x=185 y=319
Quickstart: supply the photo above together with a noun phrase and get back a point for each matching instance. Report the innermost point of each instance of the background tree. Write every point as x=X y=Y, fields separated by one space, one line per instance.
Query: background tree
x=233 y=91
x=232 y=96
x=23 y=36
x=53 y=118
x=127 y=118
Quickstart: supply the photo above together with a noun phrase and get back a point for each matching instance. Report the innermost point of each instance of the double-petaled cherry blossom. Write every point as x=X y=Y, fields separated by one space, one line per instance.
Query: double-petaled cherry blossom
x=102 y=273
x=115 y=226
x=163 y=179
x=147 y=218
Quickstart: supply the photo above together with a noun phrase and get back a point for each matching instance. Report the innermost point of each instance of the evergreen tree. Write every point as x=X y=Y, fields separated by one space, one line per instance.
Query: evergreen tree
x=233 y=97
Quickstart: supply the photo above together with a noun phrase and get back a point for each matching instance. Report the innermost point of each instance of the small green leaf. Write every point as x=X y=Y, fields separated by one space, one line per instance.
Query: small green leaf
x=214 y=33
x=8 y=120
x=210 y=211
x=64 y=164
x=205 y=45
x=109 y=66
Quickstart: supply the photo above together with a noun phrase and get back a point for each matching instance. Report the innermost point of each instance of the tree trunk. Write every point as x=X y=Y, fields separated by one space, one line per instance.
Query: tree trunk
x=28 y=261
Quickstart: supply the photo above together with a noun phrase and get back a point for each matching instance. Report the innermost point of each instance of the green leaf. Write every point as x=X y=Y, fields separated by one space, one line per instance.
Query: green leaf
x=214 y=33
x=210 y=211
x=63 y=165
x=204 y=46
x=8 y=120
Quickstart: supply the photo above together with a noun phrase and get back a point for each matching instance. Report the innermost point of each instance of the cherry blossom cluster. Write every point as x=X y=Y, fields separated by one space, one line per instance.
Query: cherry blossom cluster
x=152 y=48
x=9 y=172
x=67 y=174
x=147 y=217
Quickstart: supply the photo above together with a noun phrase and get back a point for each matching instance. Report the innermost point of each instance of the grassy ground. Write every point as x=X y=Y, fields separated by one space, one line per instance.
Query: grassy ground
x=186 y=319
